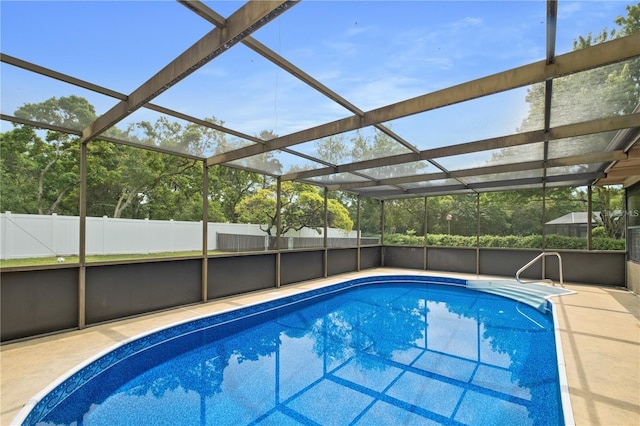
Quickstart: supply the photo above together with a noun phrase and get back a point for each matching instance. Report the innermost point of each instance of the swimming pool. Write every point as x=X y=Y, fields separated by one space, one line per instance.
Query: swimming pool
x=378 y=350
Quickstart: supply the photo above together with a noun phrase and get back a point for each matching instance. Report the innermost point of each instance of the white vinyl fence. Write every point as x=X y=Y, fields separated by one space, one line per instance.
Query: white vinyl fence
x=26 y=235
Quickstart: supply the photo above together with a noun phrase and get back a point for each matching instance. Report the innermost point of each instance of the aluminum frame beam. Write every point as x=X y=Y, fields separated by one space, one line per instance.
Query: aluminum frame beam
x=525 y=138
x=46 y=126
x=29 y=66
x=490 y=170
x=154 y=107
x=247 y=19
x=218 y=20
x=584 y=59
x=484 y=186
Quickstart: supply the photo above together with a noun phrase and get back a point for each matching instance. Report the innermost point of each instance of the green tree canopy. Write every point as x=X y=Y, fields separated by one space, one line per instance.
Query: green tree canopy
x=302 y=206
x=50 y=158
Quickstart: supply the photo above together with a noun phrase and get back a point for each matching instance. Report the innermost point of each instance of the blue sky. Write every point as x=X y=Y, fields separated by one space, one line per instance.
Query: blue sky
x=373 y=53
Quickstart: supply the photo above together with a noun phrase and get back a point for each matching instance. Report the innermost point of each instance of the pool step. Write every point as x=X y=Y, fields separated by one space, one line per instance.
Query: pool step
x=532 y=294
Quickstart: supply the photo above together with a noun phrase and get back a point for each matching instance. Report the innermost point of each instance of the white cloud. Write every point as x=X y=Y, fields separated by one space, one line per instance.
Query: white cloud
x=342 y=49
x=567 y=10
x=351 y=32
x=384 y=90
x=465 y=22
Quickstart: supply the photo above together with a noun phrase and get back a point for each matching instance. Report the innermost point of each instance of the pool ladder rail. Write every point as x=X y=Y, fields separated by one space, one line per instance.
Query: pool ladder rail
x=534 y=293
x=534 y=260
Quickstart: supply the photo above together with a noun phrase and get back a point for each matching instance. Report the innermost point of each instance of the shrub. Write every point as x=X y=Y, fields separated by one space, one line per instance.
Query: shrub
x=598 y=232
x=606 y=243
x=553 y=241
x=405 y=240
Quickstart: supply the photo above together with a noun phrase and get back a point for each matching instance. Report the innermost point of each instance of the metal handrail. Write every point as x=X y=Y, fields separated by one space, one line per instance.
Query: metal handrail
x=541 y=255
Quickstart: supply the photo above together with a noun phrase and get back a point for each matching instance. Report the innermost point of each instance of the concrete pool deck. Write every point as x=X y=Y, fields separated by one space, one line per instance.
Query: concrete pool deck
x=599 y=326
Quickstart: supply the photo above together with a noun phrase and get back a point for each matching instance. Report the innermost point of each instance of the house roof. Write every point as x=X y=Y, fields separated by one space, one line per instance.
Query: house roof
x=573 y=218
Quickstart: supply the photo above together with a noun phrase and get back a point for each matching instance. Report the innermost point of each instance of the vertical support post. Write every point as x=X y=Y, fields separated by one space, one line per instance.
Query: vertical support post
x=326 y=229
x=358 y=235
x=205 y=231
x=625 y=218
x=544 y=220
x=425 y=262
x=478 y=233
x=382 y=223
x=82 y=244
x=589 y=216
x=278 y=228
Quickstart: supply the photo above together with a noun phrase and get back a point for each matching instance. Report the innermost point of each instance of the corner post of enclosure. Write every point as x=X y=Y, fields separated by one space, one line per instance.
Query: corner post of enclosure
x=358 y=235
x=589 y=217
x=278 y=227
x=205 y=230
x=425 y=263
x=82 y=246
x=326 y=229
x=382 y=223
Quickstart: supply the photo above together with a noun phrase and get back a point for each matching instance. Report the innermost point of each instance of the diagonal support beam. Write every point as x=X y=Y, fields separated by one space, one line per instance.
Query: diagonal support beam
x=596 y=56
x=243 y=22
x=20 y=63
x=218 y=20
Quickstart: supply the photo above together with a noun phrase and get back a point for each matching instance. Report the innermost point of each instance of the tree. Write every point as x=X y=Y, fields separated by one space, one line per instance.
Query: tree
x=52 y=163
x=139 y=183
x=265 y=162
x=591 y=94
x=337 y=149
x=588 y=95
x=41 y=174
x=19 y=170
x=462 y=209
x=302 y=206
x=228 y=186
x=404 y=216
x=624 y=78
x=611 y=217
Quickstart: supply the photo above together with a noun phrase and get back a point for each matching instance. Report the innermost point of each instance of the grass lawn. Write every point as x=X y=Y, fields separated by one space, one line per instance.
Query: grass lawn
x=35 y=261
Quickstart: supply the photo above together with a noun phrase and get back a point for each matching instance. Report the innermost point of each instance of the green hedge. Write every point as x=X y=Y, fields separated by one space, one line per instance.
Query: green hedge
x=553 y=241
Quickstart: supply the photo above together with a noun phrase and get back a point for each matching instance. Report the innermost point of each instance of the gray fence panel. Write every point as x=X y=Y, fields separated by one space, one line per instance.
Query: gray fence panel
x=239 y=243
x=370 y=257
x=301 y=266
x=506 y=262
x=404 y=257
x=342 y=242
x=35 y=302
x=604 y=268
x=38 y=302
x=118 y=291
x=452 y=259
x=228 y=276
x=342 y=260
x=244 y=243
x=306 y=242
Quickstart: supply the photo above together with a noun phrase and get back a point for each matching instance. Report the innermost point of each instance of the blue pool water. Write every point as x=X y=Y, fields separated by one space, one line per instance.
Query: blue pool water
x=378 y=351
